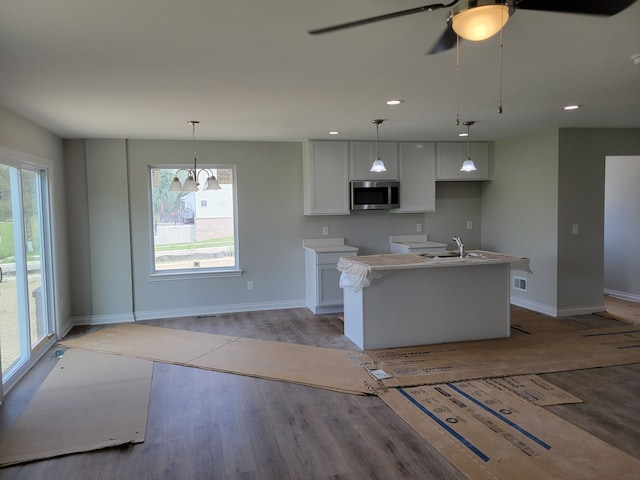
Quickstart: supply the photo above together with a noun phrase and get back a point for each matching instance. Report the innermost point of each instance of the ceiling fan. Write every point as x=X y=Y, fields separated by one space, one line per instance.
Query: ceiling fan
x=480 y=19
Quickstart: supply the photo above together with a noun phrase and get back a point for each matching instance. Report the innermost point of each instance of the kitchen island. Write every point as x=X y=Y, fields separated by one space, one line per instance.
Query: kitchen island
x=399 y=300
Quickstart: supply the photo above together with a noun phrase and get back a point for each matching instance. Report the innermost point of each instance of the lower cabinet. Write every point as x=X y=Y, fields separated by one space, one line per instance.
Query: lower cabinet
x=322 y=279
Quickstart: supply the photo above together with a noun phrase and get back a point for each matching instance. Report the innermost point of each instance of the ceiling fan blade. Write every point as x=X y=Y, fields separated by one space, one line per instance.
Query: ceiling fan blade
x=592 y=7
x=446 y=41
x=379 y=18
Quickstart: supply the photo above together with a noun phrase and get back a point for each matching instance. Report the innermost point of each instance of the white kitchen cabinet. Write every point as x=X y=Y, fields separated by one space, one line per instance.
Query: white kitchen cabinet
x=417 y=169
x=363 y=154
x=322 y=277
x=451 y=155
x=326 y=178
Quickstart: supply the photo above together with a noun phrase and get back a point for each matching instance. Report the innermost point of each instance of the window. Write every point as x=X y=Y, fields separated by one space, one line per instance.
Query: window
x=194 y=231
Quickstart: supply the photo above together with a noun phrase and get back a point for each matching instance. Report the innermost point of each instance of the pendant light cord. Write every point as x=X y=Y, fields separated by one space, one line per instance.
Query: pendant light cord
x=457 y=80
x=468 y=125
x=193 y=141
x=501 y=55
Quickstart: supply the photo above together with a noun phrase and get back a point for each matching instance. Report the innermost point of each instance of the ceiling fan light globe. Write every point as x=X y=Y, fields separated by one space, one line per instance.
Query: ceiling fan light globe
x=481 y=22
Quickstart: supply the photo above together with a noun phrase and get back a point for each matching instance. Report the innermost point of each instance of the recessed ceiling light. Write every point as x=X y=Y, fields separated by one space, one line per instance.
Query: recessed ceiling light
x=572 y=107
x=394 y=102
x=334 y=132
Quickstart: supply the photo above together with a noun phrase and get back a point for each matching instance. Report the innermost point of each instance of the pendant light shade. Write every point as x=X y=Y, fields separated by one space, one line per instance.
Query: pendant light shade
x=468 y=165
x=378 y=165
x=479 y=20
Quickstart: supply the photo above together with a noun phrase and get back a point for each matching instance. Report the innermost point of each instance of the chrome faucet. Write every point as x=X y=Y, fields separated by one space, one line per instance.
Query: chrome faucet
x=460 y=245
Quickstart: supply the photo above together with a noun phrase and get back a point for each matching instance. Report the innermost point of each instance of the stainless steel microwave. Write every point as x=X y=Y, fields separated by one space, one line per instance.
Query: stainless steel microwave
x=375 y=194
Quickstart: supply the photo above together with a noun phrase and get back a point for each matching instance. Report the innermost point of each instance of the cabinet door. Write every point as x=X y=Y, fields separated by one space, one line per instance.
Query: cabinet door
x=329 y=291
x=450 y=158
x=417 y=166
x=326 y=178
x=364 y=153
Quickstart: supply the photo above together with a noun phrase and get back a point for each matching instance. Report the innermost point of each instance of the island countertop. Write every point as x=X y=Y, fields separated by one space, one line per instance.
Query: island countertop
x=357 y=272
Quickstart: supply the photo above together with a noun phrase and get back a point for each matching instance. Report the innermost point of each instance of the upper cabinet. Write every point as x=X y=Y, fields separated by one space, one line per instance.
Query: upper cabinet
x=364 y=153
x=417 y=168
x=326 y=178
x=451 y=155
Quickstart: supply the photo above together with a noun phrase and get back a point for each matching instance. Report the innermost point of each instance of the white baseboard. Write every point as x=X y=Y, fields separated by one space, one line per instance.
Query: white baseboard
x=622 y=295
x=535 y=306
x=184 y=312
x=217 y=309
x=104 y=319
x=554 y=311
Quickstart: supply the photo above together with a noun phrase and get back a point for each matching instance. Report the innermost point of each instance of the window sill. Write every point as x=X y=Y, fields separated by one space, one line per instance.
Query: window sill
x=192 y=274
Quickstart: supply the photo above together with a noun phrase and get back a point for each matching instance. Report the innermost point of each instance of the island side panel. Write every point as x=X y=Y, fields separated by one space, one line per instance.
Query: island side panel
x=424 y=306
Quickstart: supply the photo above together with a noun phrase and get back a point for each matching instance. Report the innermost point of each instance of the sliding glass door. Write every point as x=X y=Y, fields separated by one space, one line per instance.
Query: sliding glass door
x=25 y=286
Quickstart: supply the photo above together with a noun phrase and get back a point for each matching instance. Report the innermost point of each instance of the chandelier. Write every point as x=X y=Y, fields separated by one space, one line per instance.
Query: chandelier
x=192 y=183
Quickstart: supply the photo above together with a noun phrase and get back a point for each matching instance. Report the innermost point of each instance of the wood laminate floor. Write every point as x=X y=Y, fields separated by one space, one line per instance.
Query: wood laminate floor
x=210 y=425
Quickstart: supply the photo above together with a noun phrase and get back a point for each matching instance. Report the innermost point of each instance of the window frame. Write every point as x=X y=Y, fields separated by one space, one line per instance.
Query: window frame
x=194 y=272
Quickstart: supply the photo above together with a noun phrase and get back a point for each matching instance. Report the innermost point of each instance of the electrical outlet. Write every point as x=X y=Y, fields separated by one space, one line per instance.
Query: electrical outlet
x=575 y=229
x=196 y=264
x=325 y=230
x=469 y=225
x=418 y=227
x=250 y=285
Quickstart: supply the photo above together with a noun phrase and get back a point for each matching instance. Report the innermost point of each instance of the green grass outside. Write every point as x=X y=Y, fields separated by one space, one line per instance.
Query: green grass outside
x=215 y=242
x=6 y=240
x=6 y=243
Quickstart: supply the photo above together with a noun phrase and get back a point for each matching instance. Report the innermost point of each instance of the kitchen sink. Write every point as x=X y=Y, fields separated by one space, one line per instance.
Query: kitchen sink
x=441 y=254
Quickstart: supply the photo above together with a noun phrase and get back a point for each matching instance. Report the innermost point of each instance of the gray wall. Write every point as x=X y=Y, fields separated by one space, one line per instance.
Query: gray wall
x=519 y=212
x=113 y=202
x=25 y=137
x=582 y=181
x=544 y=183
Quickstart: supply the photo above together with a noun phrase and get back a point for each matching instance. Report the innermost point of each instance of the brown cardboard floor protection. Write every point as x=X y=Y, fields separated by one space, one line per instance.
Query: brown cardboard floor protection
x=518 y=355
x=489 y=433
x=534 y=389
x=89 y=401
x=315 y=366
x=623 y=310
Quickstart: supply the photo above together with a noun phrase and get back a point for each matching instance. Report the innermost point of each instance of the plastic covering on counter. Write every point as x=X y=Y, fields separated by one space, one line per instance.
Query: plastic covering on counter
x=355 y=275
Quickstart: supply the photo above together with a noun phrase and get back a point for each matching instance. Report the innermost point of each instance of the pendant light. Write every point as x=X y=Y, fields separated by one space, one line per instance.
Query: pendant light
x=468 y=165
x=191 y=183
x=378 y=165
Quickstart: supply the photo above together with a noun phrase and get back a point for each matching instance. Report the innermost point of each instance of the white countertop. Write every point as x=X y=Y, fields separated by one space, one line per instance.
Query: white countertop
x=328 y=245
x=418 y=241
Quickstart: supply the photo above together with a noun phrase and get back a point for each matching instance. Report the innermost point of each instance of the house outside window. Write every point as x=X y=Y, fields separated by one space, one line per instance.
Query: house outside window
x=194 y=231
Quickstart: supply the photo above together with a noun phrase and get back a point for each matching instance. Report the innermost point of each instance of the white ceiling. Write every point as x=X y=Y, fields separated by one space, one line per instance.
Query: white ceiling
x=248 y=70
